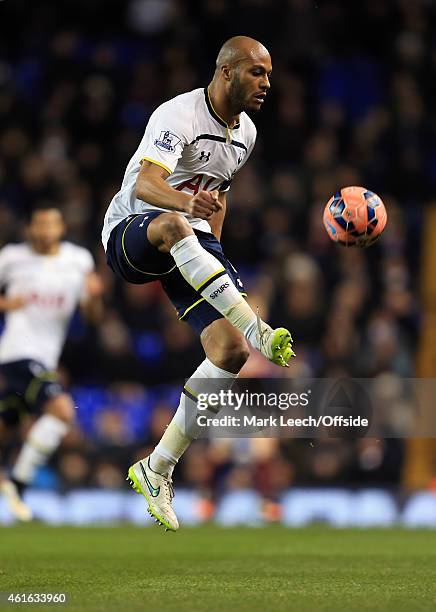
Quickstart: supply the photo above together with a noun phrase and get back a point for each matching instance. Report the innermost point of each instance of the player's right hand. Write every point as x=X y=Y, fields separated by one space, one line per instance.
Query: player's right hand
x=204 y=204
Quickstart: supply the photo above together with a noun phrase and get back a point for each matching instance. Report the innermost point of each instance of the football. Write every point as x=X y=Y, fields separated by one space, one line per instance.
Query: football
x=355 y=216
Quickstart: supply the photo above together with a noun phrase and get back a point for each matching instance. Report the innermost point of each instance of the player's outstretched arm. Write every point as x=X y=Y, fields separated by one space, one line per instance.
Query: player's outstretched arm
x=152 y=187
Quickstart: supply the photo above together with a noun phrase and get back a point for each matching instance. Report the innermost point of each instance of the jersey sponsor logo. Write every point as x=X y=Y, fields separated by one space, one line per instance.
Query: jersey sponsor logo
x=218 y=291
x=193 y=184
x=45 y=300
x=167 y=141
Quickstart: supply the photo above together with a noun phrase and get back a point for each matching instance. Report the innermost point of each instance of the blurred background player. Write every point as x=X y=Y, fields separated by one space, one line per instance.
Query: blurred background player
x=45 y=279
x=192 y=147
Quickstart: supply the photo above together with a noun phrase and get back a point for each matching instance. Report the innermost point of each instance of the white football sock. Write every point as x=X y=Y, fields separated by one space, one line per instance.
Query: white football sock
x=206 y=274
x=184 y=428
x=43 y=439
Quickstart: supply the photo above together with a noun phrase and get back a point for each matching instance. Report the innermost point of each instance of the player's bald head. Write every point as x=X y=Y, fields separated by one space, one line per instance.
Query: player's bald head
x=239 y=49
x=241 y=78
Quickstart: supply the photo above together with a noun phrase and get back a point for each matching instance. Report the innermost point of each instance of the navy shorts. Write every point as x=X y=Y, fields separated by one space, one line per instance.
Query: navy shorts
x=132 y=258
x=25 y=386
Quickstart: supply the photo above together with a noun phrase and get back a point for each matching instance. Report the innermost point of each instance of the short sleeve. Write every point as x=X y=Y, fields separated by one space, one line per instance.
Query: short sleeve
x=166 y=134
x=225 y=186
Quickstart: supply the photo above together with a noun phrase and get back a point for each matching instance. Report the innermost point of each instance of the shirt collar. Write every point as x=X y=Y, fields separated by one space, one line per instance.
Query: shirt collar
x=214 y=114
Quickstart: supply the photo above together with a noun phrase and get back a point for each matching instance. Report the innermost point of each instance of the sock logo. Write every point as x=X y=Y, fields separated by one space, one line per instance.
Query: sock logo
x=218 y=291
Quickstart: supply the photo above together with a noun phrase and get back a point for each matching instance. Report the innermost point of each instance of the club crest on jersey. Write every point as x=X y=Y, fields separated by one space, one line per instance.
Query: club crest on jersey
x=167 y=141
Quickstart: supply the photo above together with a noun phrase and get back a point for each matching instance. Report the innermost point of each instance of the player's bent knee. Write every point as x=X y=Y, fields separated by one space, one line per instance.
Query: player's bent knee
x=61 y=407
x=170 y=228
x=234 y=355
x=225 y=346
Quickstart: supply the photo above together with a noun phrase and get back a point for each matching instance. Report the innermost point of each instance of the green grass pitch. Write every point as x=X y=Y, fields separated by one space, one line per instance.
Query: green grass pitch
x=211 y=569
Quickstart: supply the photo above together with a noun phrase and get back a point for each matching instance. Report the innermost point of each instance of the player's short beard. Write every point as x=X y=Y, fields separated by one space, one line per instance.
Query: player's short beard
x=236 y=95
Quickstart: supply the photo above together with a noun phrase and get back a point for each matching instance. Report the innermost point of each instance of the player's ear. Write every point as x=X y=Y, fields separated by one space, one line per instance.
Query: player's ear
x=226 y=72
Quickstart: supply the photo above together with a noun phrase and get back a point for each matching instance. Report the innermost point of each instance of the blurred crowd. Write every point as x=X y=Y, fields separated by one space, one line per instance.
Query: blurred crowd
x=351 y=103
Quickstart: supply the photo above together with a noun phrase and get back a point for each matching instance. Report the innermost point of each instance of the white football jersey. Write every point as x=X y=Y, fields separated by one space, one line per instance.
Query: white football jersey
x=53 y=285
x=199 y=150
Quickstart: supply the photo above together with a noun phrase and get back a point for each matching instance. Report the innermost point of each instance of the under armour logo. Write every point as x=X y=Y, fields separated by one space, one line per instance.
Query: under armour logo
x=143 y=221
x=204 y=156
